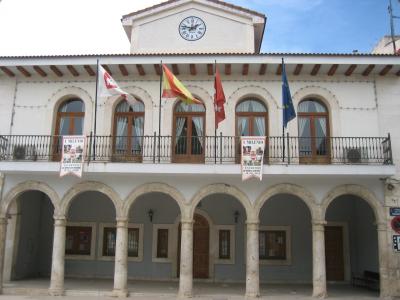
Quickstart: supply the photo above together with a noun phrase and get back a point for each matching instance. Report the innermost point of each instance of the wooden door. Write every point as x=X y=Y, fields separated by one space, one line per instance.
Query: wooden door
x=334 y=256
x=201 y=242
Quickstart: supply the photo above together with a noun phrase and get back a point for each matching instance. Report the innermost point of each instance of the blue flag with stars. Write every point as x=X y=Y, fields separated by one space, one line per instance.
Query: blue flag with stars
x=287 y=104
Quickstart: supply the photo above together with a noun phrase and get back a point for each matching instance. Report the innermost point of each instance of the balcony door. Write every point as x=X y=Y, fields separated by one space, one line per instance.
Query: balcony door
x=313 y=122
x=69 y=121
x=188 y=141
x=128 y=131
x=251 y=120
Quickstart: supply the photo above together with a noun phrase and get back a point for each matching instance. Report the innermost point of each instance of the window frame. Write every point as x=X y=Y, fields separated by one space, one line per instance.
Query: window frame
x=100 y=245
x=232 y=244
x=90 y=256
x=279 y=262
x=156 y=259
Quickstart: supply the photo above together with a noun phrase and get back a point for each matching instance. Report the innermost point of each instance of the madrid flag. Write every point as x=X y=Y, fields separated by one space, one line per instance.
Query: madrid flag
x=219 y=99
x=107 y=87
x=173 y=88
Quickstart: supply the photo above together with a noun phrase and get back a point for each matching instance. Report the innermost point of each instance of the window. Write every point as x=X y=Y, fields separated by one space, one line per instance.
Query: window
x=69 y=121
x=313 y=122
x=108 y=236
x=274 y=245
x=79 y=241
x=162 y=239
x=128 y=131
x=162 y=243
x=188 y=135
x=225 y=242
x=251 y=120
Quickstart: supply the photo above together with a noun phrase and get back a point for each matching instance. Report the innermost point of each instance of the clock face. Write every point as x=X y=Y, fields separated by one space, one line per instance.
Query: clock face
x=192 y=28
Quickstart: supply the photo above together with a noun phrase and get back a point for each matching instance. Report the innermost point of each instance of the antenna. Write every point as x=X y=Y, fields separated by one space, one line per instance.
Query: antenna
x=392 y=17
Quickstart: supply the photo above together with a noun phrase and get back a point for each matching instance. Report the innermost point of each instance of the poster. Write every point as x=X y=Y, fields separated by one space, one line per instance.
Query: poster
x=252 y=156
x=72 y=155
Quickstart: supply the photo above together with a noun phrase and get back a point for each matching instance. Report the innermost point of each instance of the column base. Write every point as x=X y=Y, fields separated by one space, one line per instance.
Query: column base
x=184 y=295
x=252 y=295
x=120 y=293
x=320 y=294
x=56 y=292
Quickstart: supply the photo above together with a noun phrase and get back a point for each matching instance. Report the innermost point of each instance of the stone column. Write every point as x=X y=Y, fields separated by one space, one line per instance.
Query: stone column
x=121 y=259
x=186 y=265
x=58 y=260
x=319 y=270
x=3 y=233
x=252 y=261
x=383 y=248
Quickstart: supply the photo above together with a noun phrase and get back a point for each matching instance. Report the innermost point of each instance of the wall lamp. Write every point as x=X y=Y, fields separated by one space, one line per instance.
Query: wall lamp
x=390 y=187
x=236 y=214
x=151 y=214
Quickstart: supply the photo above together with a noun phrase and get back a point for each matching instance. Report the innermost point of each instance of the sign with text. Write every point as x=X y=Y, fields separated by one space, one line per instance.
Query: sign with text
x=72 y=155
x=252 y=156
x=395 y=211
x=396 y=243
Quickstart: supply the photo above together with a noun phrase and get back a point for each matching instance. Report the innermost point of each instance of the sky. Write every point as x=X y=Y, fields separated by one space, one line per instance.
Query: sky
x=61 y=27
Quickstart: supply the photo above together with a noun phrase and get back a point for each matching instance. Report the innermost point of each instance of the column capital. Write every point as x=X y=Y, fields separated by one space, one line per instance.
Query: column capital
x=122 y=222
x=3 y=220
x=187 y=224
x=381 y=226
x=252 y=225
x=318 y=225
x=60 y=220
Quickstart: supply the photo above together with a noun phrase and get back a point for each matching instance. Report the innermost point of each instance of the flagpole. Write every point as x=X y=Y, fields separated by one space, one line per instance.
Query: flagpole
x=159 y=114
x=283 y=116
x=215 y=134
x=95 y=112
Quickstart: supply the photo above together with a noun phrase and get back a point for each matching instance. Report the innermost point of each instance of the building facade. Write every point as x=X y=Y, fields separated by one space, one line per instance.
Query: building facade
x=170 y=204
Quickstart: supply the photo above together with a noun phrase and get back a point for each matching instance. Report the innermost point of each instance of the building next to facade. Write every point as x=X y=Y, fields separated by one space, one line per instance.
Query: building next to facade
x=171 y=205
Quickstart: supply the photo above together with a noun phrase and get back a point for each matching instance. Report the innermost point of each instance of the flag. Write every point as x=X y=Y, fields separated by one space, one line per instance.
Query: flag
x=173 y=88
x=219 y=99
x=287 y=104
x=108 y=87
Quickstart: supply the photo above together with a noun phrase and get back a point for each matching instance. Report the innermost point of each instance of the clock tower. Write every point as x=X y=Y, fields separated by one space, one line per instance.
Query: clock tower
x=194 y=26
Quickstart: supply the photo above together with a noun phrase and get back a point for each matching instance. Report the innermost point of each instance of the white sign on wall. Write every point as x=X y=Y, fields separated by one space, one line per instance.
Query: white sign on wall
x=72 y=155
x=252 y=156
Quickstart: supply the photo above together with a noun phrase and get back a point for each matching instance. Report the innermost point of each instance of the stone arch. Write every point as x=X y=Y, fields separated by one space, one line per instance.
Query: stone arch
x=154 y=188
x=111 y=102
x=324 y=95
x=260 y=93
x=30 y=186
x=355 y=190
x=66 y=93
x=287 y=188
x=220 y=188
x=91 y=186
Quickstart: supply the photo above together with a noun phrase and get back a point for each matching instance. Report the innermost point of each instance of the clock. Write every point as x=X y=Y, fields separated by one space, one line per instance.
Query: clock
x=192 y=28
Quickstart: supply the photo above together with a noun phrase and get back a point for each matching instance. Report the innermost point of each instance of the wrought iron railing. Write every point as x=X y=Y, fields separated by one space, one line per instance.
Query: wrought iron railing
x=206 y=149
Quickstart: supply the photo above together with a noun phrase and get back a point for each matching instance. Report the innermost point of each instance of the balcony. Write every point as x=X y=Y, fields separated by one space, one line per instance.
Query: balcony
x=203 y=150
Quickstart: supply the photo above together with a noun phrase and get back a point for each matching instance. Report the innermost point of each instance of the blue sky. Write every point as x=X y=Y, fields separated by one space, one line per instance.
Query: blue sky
x=56 y=27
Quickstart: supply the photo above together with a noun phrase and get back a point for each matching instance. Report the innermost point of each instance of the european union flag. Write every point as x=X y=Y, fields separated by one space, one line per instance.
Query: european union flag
x=287 y=104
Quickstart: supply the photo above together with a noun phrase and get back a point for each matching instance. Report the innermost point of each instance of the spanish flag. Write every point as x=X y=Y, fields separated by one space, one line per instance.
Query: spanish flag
x=173 y=88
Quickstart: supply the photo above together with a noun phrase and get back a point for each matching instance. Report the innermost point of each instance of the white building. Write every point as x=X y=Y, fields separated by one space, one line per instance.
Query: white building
x=174 y=207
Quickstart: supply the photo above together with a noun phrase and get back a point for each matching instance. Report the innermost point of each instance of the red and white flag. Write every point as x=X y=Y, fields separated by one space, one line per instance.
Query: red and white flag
x=219 y=99
x=108 y=87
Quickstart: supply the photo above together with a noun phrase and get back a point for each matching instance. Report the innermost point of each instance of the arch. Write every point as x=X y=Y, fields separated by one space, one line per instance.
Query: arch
x=355 y=190
x=261 y=94
x=66 y=93
x=31 y=186
x=111 y=103
x=221 y=188
x=292 y=189
x=326 y=97
x=154 y=188
x=90 y=186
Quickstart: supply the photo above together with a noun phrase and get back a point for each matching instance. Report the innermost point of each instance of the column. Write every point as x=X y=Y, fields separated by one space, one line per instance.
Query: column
x=186 y=265
x=58 y=260
x=121 y=259
x=252 y=261
x=383 y=248
x=319 y=270
x=3 y=233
